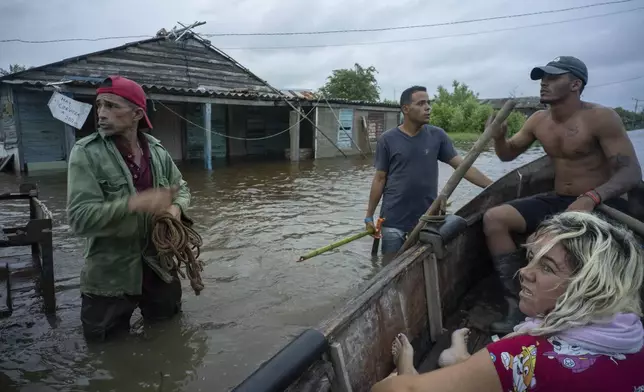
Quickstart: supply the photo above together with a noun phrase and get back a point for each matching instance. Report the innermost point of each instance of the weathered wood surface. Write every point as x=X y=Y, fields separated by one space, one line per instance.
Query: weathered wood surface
x=635 y=225
x=186 y=64
x=37 y=234
x=478 y=309
x=6 y=300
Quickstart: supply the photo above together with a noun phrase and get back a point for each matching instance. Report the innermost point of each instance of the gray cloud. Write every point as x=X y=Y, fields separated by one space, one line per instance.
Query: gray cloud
x=494 y=64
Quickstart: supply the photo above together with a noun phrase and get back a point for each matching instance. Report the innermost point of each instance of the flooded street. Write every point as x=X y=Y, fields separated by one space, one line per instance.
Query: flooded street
x=256 y=220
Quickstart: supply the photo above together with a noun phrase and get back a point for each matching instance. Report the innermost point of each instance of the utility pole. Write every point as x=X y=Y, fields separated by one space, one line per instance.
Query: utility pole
x=637 y=122
x=637 y=102
x=177 y=34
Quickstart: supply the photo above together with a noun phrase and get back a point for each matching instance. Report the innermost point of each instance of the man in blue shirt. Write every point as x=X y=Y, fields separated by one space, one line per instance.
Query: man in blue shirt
x=407 y=170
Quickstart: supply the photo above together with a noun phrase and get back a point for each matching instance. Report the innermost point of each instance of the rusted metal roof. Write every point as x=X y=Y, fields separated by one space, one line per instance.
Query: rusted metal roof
x=310 y=95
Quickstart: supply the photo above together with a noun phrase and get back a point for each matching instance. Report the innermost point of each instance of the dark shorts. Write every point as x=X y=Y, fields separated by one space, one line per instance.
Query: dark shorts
x=535 y=209
x=104 y=316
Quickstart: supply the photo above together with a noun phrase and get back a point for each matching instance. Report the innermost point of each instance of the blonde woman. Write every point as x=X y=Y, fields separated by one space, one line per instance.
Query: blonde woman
x=581 y=293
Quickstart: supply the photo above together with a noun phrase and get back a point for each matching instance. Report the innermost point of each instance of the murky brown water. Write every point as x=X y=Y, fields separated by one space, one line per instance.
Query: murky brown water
x=256 y=220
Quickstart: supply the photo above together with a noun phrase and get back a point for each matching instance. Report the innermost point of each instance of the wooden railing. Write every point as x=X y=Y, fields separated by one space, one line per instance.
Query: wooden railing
x=38 y=235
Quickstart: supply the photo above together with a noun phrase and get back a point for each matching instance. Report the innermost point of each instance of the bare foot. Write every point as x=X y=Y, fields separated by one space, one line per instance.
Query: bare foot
x=403 y=354
x=457 y=353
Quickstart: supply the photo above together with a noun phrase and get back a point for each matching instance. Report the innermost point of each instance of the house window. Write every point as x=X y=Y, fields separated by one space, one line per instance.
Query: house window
x=345 y=128
x=375 y=125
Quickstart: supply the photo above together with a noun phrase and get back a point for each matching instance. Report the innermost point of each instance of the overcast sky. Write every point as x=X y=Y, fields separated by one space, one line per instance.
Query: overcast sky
x=494 y=64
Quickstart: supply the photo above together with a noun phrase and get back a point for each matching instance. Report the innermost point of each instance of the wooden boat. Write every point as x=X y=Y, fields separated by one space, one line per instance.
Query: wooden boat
x=444 y=282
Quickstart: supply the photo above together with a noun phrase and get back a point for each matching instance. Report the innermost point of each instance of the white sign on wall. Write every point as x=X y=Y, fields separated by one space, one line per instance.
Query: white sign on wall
x=345 y=128
x=67 y=110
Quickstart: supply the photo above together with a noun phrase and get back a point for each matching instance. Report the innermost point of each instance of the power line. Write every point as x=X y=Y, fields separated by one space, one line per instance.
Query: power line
x=230 y=136
x=616 y=82
x=377 y=29
x=603 y=84
x=430 y=38
x=51 y=41
x=19 y=40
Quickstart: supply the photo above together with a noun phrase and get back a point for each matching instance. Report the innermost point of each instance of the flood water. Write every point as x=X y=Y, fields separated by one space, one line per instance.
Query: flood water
x=256 y=220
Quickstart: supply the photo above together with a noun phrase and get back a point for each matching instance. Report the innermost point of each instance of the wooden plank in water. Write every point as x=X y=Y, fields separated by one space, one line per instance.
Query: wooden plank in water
x=3 y=235
x=23 y=274
x=4 y=162
x=21 y=264
x=6 y=303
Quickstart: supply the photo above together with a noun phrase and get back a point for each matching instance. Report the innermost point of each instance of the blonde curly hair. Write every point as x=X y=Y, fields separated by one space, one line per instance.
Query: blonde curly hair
x=607 y=270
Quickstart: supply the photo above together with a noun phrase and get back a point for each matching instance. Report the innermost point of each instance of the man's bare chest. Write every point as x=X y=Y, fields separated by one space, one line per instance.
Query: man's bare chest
x=572 y=140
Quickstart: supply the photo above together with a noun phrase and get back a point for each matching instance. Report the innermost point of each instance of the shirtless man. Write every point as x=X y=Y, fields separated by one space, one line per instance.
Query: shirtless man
x=594 y=162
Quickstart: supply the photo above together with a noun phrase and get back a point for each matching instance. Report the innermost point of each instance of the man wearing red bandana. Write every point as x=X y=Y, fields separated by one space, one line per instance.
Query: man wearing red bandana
x=118 y=179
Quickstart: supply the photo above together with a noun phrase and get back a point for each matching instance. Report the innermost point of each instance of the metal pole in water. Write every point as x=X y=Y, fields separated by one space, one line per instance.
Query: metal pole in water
x=207 y=145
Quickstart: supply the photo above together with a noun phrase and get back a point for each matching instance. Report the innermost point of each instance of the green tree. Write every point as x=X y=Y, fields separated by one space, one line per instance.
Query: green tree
x=631 y=119
x=358 y=84
x=13 y=68
x=460 y=111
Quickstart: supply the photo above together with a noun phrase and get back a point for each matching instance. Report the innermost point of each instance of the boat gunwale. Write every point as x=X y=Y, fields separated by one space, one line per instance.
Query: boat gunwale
x=333 y=326
x=338 y=322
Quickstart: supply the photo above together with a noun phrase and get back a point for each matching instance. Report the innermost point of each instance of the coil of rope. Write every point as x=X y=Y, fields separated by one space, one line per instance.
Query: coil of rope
x=178 y=243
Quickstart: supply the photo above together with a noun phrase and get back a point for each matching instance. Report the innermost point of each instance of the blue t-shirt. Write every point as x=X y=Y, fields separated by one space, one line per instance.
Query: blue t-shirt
x=411 y=164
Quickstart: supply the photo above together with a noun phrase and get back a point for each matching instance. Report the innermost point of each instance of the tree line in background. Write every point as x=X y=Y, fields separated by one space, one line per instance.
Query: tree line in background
x=458 y=111
x=631 y=119
x=13 y=68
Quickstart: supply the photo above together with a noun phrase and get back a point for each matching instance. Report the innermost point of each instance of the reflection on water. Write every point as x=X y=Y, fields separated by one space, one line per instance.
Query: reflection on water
x=256 y=220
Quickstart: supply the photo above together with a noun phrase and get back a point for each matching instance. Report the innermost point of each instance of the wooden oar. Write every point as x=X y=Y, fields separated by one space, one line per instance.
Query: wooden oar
x=375 y=232
x=460 y=171
x=629 y=221
x=334 y=245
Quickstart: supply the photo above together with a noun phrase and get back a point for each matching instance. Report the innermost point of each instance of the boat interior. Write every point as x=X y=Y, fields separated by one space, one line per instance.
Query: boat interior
x=444 y=282
x=482 y=305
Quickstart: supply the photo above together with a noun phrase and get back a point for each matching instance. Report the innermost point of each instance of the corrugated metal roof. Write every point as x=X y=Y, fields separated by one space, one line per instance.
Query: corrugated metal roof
x=200 y=91
x=310 y=95
x=205 y=91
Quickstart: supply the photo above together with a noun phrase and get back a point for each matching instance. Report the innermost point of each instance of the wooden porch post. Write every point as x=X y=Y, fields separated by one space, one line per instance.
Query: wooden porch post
x=207 y=147
x=294 y=122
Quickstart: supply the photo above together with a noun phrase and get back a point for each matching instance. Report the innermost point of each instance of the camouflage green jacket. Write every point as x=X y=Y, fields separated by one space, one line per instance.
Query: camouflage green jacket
x=117 y=241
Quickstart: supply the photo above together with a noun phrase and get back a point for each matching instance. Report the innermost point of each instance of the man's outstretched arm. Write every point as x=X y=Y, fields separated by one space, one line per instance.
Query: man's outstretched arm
x=473 y=174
